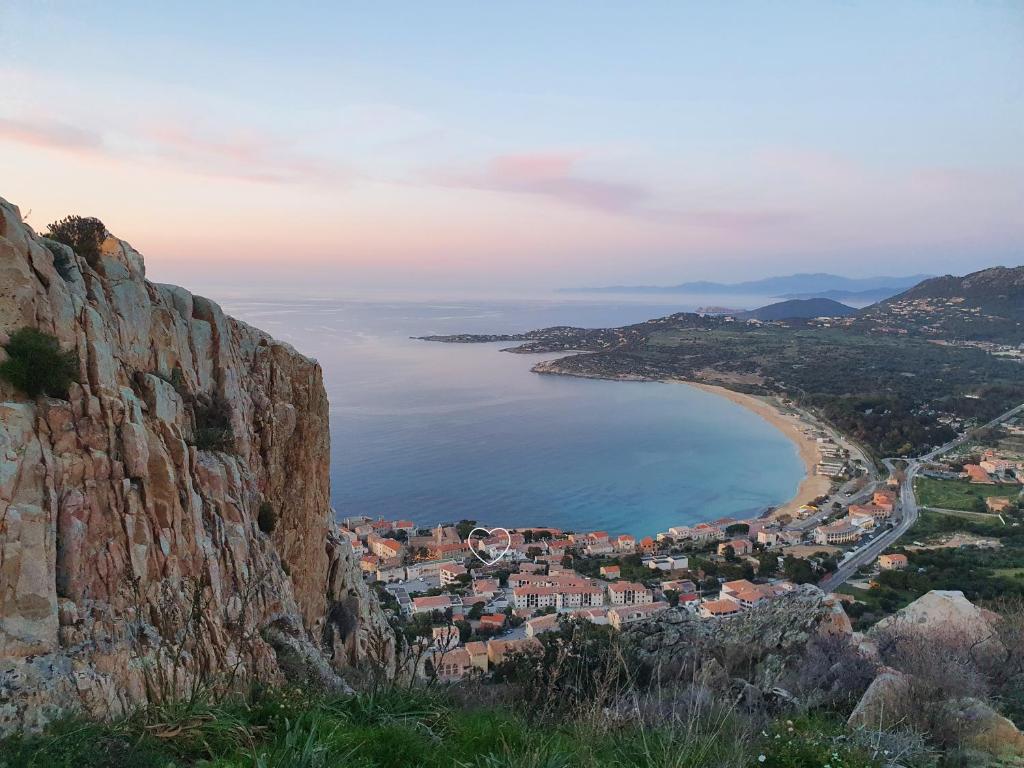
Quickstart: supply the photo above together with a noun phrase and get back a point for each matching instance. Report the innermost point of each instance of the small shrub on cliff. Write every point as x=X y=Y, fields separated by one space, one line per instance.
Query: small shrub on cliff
x=212 y=432
x=36 y=364
x=84 y=234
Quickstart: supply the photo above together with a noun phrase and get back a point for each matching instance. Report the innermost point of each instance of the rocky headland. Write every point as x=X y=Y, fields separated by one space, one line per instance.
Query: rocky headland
x=136 y=562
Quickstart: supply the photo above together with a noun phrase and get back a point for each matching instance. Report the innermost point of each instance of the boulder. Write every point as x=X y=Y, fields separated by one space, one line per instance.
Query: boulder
x=883 y=702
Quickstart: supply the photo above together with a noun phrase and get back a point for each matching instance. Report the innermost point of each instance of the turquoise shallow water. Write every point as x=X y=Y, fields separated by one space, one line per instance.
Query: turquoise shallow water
x=434 y=432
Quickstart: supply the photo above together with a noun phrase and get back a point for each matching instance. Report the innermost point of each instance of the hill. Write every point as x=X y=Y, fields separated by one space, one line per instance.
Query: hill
x=799 y=309
x=806 y=285
x=869 y=296
x=987 y=305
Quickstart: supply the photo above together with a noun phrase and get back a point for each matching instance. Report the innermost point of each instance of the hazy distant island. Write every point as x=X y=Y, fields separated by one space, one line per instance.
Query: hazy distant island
x=799 y=286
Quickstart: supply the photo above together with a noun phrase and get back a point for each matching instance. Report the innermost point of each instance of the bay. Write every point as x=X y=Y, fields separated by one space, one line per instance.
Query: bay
x=437 y=432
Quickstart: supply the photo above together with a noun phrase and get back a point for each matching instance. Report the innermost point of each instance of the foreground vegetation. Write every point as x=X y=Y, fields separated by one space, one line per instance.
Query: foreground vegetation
x=290 y=729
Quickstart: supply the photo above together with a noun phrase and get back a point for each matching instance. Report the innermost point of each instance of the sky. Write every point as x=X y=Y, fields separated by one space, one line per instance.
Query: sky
x=456 y=147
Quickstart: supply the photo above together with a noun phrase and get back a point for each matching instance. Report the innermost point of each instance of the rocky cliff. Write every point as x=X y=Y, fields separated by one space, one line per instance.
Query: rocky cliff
x=134 y=564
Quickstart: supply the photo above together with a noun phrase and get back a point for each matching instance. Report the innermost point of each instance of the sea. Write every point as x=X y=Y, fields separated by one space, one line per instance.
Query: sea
x=435 y=432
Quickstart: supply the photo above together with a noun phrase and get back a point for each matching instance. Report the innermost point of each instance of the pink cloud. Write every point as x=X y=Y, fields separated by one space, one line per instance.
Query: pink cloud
x=50 y=134
x=241 y=155
x=549 y=175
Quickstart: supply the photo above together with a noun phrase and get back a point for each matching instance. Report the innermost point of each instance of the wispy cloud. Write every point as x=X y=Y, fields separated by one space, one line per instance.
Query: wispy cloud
x=548 y=174
x=50 y=134
x=240 y=155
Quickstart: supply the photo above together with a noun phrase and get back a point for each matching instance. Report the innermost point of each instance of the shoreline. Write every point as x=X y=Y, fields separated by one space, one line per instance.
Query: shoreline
x=813 y=485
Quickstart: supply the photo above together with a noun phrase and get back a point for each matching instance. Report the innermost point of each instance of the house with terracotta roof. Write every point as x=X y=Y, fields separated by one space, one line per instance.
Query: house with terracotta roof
x=622 y=615
x=740 y=547
x=499 y=650
x=449 y=666
x=595 y=548
x=876 y=512
x=682 y=586
x=647 y=544
x=436 y=603
x=383 y=547
x=450 y=572
x=892 y=562
x=611 y=571
x=542 y=624
x=715 y=608
x=625 y=543
x=495 y=622
x=976 y=474
x=629 y=593
x=486 y=588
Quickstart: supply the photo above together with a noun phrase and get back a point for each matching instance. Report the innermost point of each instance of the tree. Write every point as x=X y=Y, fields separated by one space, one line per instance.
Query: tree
x=730 y=553
x=672 y=596
x=768 y=564
x=798 y=570
x=737 y=528
x=36 y=364
x=84 y=235
x=464 y=528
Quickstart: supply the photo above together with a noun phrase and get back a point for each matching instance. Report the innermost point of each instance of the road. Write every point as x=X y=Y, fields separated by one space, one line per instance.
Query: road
x=909 y=510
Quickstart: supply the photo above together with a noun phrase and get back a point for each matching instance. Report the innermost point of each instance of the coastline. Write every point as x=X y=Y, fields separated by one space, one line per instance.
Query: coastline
x=813 y=485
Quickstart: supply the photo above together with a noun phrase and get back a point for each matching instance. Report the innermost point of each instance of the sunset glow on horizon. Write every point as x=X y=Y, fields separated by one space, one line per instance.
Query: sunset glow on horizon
x=458 y=146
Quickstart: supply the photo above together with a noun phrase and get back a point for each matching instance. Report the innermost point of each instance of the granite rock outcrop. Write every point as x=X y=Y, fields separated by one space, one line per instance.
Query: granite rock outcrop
x=133 y=561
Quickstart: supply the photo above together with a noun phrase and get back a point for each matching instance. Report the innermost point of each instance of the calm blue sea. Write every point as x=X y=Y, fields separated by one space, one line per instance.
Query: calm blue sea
x=434 y=432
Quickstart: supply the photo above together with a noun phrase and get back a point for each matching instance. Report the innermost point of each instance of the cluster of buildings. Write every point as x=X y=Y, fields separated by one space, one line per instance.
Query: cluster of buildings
x=859 y=520
x=832 y=461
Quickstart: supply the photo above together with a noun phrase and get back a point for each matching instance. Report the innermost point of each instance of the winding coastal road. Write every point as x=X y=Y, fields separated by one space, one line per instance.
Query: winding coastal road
x=909 y=509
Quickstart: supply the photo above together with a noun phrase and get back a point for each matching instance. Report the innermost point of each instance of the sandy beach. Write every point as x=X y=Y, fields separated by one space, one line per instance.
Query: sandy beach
x=813 y=485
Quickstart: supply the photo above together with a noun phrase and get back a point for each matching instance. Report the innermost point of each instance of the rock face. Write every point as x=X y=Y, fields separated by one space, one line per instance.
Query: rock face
x=132 y=563
x=758 y=640
x=942 y=612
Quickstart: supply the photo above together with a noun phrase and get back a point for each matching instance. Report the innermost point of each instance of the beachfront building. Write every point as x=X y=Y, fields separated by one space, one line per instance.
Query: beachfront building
x=840 y=532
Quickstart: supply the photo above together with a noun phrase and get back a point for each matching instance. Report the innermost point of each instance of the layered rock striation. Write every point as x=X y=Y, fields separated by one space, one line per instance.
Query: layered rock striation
x=134 y=563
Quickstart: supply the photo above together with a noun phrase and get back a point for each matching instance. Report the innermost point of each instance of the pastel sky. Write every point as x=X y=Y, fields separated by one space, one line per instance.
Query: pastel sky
x=451 y=146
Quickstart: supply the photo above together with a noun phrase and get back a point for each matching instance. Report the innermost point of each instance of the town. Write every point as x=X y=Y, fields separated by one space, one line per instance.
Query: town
x=466 y=604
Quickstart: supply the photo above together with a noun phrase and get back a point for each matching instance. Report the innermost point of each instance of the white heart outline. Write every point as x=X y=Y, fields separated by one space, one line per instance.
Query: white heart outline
x=489 y=532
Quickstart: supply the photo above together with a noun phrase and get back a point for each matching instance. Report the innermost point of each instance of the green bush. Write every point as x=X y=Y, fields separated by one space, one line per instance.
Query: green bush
x=36 y=364
x=212 y=431
x=84 y=234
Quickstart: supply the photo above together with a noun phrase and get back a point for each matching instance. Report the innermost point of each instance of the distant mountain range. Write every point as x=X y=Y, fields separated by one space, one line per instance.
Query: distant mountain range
x=799 y=309
x=800 y=286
